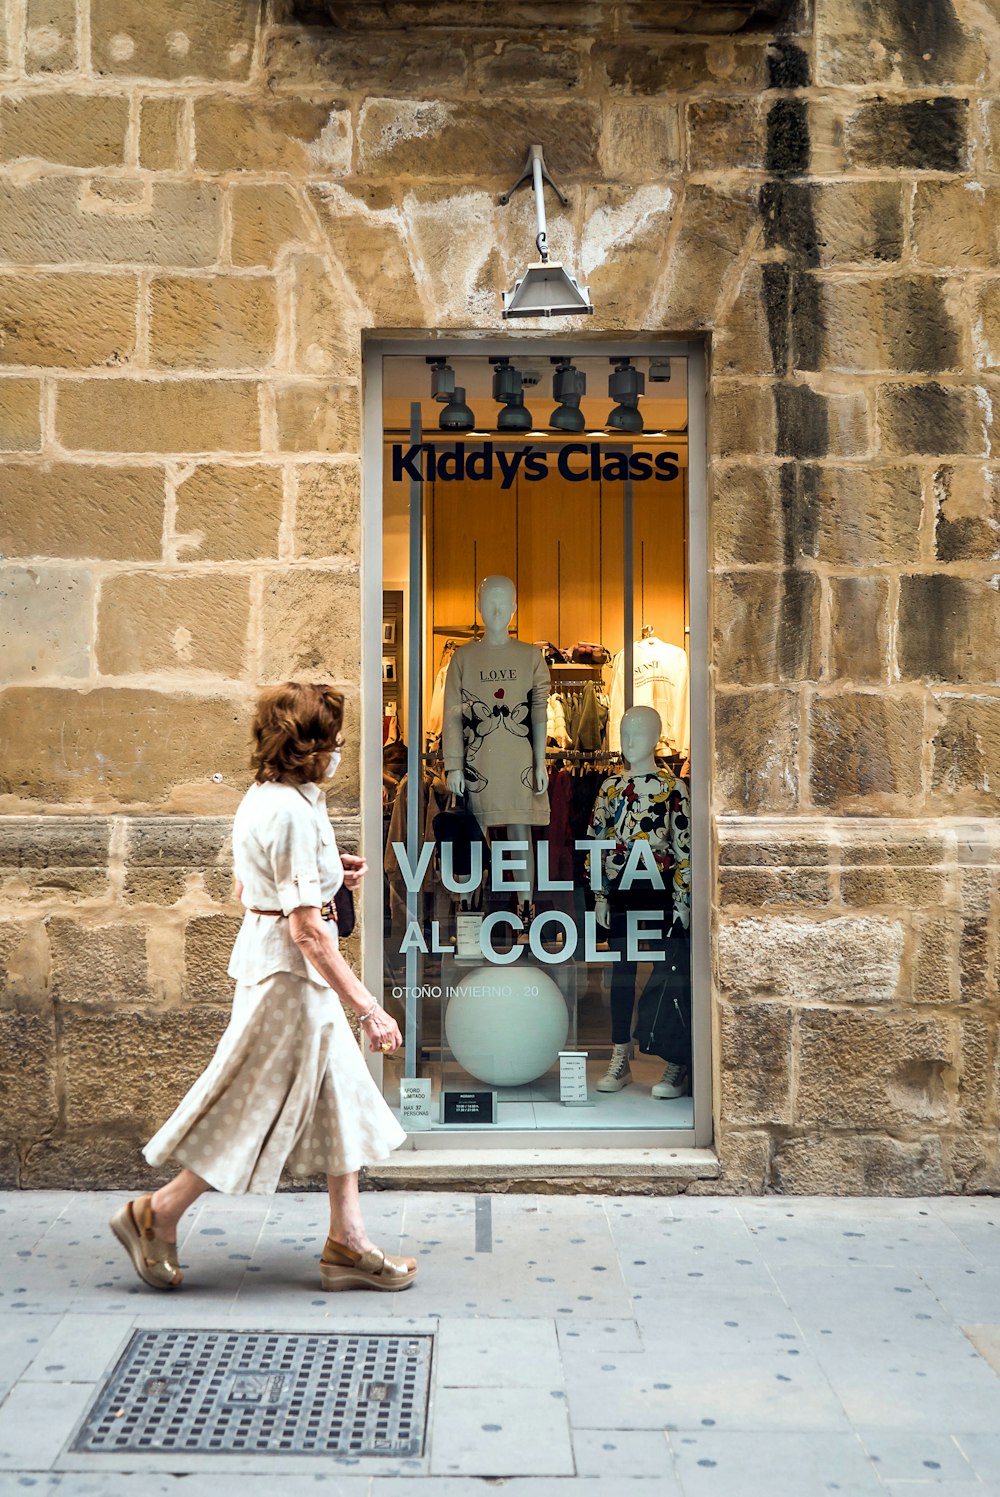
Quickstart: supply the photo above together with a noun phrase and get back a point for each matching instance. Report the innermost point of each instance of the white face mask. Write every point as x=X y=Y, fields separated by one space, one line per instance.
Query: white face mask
x=331 y=768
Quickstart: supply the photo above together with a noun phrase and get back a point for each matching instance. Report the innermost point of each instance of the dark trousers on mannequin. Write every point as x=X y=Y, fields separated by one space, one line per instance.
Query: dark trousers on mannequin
x=668 y=982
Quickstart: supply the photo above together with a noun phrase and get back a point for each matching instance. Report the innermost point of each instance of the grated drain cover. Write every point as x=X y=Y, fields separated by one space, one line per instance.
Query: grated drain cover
x=261 y=1392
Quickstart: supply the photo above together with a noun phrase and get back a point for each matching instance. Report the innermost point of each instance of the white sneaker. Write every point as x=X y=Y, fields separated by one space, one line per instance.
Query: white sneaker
x=619 y=1072
x=673 y=1082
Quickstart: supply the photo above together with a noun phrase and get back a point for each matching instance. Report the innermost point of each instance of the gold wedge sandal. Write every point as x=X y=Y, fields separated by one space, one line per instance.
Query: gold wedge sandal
x=153 y=1259
x=342 y=1268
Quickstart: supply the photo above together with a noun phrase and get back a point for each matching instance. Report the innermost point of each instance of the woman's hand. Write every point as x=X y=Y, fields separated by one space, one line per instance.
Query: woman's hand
x=355 y=869
x=382 y=1029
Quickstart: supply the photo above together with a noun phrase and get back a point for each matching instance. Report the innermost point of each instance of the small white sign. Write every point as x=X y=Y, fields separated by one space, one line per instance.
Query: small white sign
x=468 y=926
x=415 y=1103
x=572 y=1075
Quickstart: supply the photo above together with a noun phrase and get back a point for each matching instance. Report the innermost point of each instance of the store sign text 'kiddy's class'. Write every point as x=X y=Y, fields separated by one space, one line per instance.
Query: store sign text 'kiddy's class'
x=574 y=461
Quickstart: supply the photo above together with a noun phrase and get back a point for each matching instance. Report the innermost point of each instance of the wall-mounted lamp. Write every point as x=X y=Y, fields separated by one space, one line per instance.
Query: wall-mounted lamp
x=546 y=289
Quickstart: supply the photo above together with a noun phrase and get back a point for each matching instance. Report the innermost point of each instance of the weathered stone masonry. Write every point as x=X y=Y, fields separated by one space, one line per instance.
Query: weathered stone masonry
x=203 y=207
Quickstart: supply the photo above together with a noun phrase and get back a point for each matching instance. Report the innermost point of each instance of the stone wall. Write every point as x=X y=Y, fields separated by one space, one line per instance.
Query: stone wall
x=202 y=209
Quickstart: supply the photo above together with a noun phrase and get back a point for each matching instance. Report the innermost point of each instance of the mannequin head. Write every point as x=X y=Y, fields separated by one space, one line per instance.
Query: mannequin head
x=496 y=600
x=640 y=733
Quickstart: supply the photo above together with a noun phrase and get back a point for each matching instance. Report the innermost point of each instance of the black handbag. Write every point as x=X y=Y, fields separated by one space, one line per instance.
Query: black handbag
x=457 y=826
x=340 y=909
x=663 y=1017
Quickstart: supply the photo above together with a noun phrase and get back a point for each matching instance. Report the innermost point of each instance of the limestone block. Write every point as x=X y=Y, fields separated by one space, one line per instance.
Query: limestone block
x=10 y=1161
x=746 y=514
x=907 y=844
x=129 y=1068
x=977 y=1082
x=966 y=755
x=47 y=616
x=20 y=415
x=859 y=1164
x=98 y=964
x=895 y=322
x=932 y=418
x=531 y=66
x=369 y=241
x=49 y=36
x=116 y=746
x=641 y=142
x=767 y=888
x=865 y=752
x=967 y=512
x=213 y=322
x=55 y=220
x=67 y=320
x=72 y=509
x=870 y=1071
x=25 y=967
x=862 y=516
x=621 y=248
x=805 y=847
x=229 y=512
x=742 y=419
x=164 y=852
x=670 y=66
x=745 y=1157
x=924 y=47
x=914 y=135
x=756 y=750
x=365 y=61
x=811 y=423
x=913 y=888
x=714 y=228
x=194 y=415
x=328 y=510
x=311 y=625
x=281 y=135
x=743 y=344
x=71 y=129
x=187 y=40
x=977 y=983
x=266 y=217
x=955 y=224
x=974 y=1162
x=208 y=945
x=325 y=341
x=992 y=117
x=90 y=1160
x=935 y=962
x=846 y=960
x=46 y=857
x=318 y=417
x=28 y=1101
x=474 y=139
x=755 y=1056
x=856 y=223
x=949 y=629
x=724 y=134
x=859 y=630
x=150 y=622
x=788 y=138
x=160 y=125
x=766 y=627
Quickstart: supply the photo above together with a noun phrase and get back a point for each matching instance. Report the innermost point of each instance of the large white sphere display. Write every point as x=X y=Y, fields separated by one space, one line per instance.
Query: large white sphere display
x=506 y=1026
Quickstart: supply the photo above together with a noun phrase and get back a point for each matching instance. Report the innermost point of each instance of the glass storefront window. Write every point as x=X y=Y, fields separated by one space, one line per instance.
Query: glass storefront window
x=536 y=912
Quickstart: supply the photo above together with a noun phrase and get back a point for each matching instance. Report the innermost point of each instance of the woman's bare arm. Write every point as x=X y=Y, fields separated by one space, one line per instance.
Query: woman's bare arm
x=312 y=939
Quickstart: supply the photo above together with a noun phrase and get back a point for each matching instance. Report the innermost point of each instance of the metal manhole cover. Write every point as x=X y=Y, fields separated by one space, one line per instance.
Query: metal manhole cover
x=263 y=1392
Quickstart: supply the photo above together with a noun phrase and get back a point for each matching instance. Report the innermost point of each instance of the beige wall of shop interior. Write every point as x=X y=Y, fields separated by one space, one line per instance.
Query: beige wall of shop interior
x=202 y=209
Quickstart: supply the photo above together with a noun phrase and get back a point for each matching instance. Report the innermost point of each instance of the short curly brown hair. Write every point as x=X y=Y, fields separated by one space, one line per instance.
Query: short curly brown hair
x=295 y=729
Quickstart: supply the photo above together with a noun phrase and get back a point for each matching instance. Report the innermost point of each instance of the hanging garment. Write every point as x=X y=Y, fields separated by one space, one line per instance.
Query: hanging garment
x=591 y=720
x=560 y=835
x=660 y=680
x=435 y=715
x=492 y=697
x=655 y=808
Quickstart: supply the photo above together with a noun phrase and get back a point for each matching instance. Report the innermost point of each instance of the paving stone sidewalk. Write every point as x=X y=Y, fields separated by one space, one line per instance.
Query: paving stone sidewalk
x=781 y=1347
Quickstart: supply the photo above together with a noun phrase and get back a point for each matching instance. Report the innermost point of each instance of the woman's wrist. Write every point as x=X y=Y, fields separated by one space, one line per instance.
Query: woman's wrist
x=369 y=1012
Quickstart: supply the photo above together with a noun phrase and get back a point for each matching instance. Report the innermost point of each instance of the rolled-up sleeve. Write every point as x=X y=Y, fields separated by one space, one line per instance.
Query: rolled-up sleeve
x=294 y=852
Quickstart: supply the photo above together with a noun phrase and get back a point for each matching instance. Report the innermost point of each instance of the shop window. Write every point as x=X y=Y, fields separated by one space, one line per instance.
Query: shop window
x=536 y=744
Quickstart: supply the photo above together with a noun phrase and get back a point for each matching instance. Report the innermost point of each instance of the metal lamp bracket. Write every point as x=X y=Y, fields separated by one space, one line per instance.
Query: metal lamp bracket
x=535 y=169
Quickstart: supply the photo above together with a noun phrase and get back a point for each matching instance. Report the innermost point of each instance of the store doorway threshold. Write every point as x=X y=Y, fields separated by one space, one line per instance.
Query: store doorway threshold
x=652 y=1170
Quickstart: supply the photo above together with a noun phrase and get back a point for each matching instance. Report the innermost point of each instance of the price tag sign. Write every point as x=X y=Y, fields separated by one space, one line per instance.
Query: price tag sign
x=572 y=1076
x=415 y=1103
x=468 y=924
x=468 y=1107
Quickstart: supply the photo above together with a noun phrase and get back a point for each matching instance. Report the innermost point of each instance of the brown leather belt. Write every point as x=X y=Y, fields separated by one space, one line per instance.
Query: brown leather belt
x=252 y=911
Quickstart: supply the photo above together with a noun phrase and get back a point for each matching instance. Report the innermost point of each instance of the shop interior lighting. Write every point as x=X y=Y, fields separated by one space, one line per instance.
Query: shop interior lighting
x=442 y=378
x=625 y=385
x=457 y=416
x=546 y=289
x=569 y=385
x=659 y=370
x=508 y=392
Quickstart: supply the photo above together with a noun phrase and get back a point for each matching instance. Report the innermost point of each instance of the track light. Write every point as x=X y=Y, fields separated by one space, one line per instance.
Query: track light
x=457 y=416
x=442 y=378
x=508 y=390
x=569 y=385
x=625 y=384
x=659 y=370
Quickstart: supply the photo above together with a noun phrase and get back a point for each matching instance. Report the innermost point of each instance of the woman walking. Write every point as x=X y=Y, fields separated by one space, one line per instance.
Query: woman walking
x=287 y=1081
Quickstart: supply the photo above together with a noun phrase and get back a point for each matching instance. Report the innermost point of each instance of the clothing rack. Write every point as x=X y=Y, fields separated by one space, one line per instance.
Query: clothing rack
x=585 y=756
